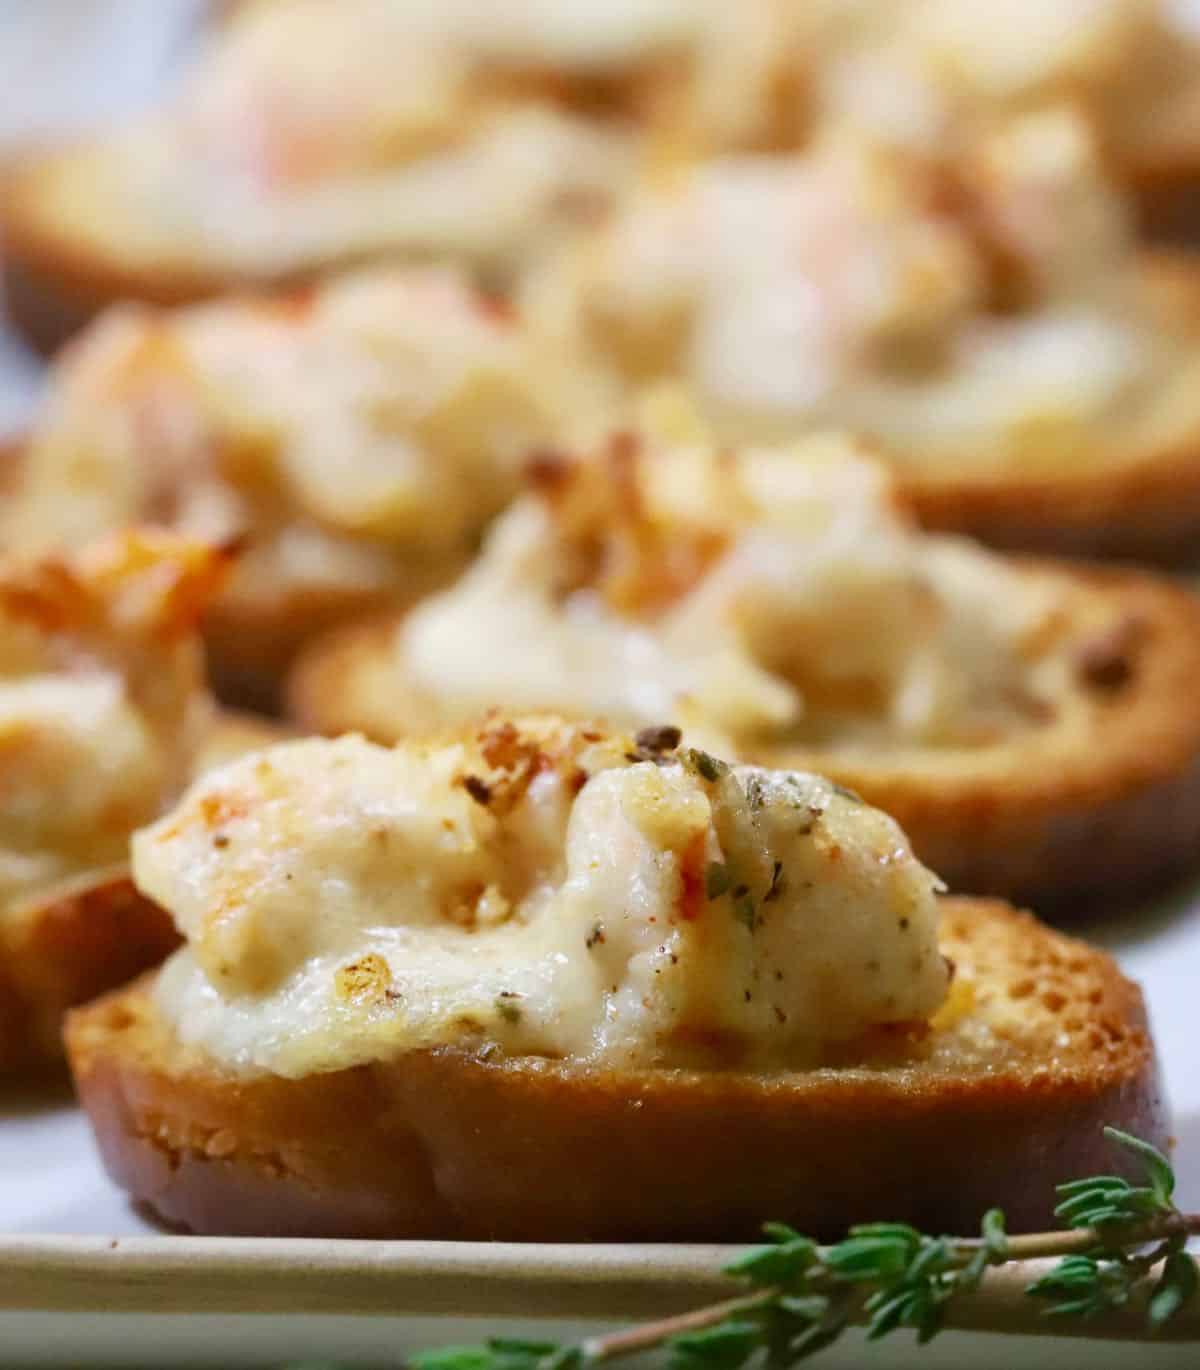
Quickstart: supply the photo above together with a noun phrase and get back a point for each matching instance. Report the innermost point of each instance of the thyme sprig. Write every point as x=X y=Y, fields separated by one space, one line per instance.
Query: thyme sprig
x=799 y=1297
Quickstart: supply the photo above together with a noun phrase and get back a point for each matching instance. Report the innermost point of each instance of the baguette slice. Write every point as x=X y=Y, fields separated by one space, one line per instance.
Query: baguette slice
x=1041 y=1043
x=90 y=933
x=59 y=270
x=1095 y=804
x=1162 y=168
x=1142 y=503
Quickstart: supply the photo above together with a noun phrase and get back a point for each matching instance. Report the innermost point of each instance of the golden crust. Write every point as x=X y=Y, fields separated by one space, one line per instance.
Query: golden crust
x=1098 y=803
x=250 y=644
x=65 y=947
x=250 y=640
x=1147 y=510
x=326 y=690
x=1163 y=172
x=442 y=1144
x=1146 y=506
x=56 y=279
x=90 y=934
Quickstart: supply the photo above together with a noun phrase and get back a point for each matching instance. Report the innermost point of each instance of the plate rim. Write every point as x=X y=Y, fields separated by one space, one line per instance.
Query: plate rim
x=609 y=1282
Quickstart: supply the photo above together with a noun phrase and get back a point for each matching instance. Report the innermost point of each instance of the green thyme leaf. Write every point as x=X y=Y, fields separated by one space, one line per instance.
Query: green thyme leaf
x=995 y=1237
x=889 y=1314
x=1158 y=1168
x=819 y=1336
x=1176 y=1286
x=717 y=880
x=1070 y=1273
x=869 y=1258
x=901 y=1231
x=1092 y=1182
x=808 y=1307
x=931 y=1259
x=929 y=1322
x=706 y=766
x=778 y=1264
x=1092 y=1286
x=723 y=1347
x=781 y=1232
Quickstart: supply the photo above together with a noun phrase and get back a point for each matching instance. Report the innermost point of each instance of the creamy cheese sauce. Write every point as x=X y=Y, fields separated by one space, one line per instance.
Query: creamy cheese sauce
x=329 y=131
x=102 y=703
x=767 y=596
x=919 y=69
x=320 y=131
x=983 y=306
x=359 y=438
x=539 y=888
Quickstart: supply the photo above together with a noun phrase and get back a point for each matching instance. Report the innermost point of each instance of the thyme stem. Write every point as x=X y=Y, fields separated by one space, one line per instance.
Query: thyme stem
x=1033 y=1245
x=1023 y=1247
x=646 y=1336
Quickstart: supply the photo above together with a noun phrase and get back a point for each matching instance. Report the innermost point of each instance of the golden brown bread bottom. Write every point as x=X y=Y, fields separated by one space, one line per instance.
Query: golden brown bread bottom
x=1163 y=176
x=443 y=1144
x=89 y=934
x=75 y=942
x=55 y=279
x=250 y=645
x=1144 y=510
x=1097 y=804
x=1144 y=507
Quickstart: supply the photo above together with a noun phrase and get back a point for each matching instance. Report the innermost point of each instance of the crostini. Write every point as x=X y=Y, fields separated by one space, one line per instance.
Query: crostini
x=352 y=440
x=104 y=717
x=541 y=981
x=1030 y=724
x=322 y=133
x=319 y=133
x=917 y=71
x=982 y=314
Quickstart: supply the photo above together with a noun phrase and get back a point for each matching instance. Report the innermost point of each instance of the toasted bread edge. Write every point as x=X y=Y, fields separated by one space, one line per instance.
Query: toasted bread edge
x=442 y=1144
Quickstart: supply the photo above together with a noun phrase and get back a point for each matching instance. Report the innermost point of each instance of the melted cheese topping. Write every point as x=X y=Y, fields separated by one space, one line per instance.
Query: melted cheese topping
x=918 y=69
x=325 y=132
x=537 y=888
x=102 y=703
x=359 y=439
x=771 y=596
x=273 y=96
x=987 y=305
x=319 y=131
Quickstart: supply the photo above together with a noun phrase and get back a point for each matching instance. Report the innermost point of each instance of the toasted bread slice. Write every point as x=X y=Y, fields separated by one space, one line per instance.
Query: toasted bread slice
x=76 y=238
x=90 y=933
x=1138 y=503
x=243 y=448
x=1162 y=167
x=65 y=947
x=1095 y=803
x=1042 y=1042
x=57 y=276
